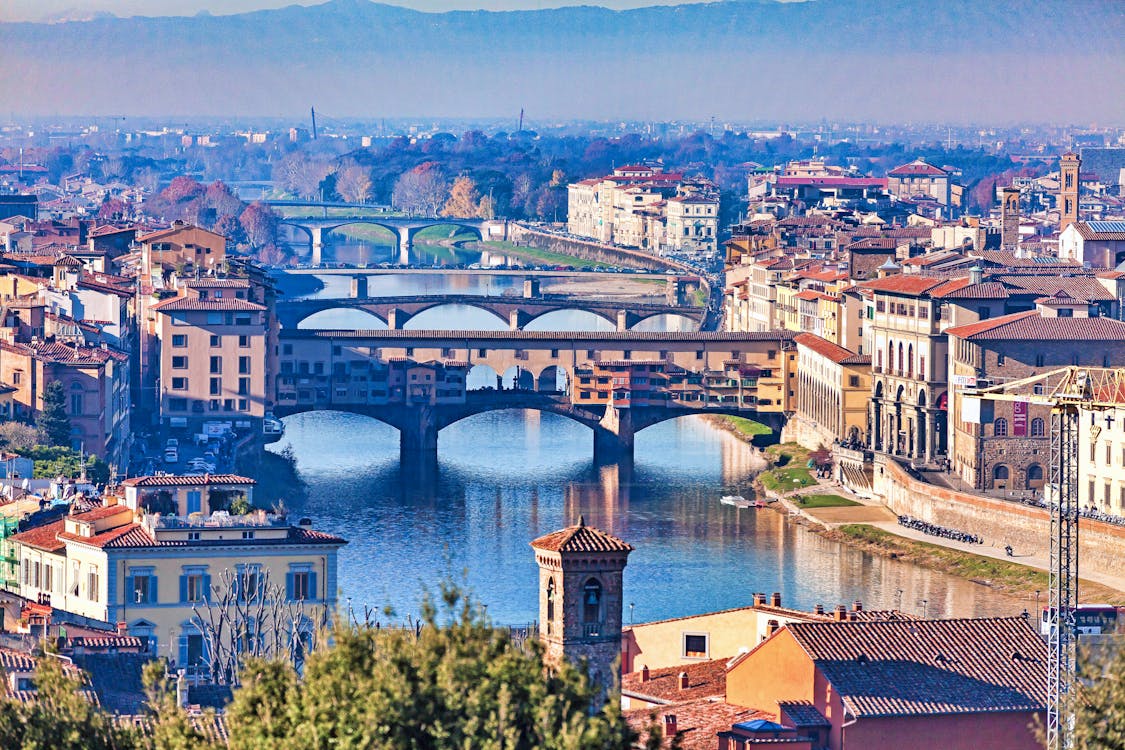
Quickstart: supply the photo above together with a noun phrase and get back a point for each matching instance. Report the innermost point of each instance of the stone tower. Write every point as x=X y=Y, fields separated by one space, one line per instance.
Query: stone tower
x=1010 y=219
x=580 y=598
x=1069 y=164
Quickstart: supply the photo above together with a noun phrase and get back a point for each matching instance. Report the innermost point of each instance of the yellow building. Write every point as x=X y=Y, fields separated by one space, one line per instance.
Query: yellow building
x=833 y=391
x=162 y=548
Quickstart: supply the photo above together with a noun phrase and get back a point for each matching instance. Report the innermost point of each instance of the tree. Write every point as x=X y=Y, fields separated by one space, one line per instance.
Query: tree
x=171 y=728
x=18 y=437
x=62 y=717
x=112 y=208
x=457 y=682
x=421 y=190
x=302 y=174
x=464 y=199
x=260 y=224
x=53 y=420
x=353 y=183
x=1097 y=699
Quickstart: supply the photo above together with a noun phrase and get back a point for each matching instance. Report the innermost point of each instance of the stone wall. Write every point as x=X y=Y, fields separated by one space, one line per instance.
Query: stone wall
x=593 y=251
x=998 y=522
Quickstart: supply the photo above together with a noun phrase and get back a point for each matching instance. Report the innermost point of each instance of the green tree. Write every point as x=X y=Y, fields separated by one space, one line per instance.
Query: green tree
x=1098 y=699
x=61 y=718
x=53 y=420
x=454 y=682
x=171 y=728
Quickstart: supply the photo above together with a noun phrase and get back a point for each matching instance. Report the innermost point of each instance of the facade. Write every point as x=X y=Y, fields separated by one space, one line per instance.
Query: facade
x=1070 y=166
x=1101 y=244
x=692 y=223
x=1101 y=461
x=833 y=390
x=1005 y=445
x=1010 y=219
x=919 y=178
x=160 y=552
x=580 y=599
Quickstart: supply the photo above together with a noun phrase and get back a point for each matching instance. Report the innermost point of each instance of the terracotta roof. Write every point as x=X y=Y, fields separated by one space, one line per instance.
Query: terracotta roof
x=917 y=168
x=185 y=304
x=581 y=538
x=1079 y=287
x=206 y=282
x=106 y=641
x=967 y=290
x=916 y=667
x=1112 y=231
x=1031 y=326
x=42 y=537
x=186 y=480
x=803 y=714
x=899 y=284
x=829 y=350
x=135 y=535
x=698 y=722
x=16 y=661
x=706 y=679
x=108 y=537
x=106 y=511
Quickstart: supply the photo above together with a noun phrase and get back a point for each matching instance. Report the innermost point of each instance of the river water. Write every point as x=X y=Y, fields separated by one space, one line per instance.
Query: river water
x=504 y=478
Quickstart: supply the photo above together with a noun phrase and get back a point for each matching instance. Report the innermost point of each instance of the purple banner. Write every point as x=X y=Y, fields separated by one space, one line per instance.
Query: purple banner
x=1019 y=418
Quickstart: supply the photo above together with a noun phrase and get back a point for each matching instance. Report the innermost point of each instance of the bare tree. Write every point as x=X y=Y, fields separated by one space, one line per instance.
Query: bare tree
x=353 y=183
x=422 y=190
x=301 y=174
x=247 y=616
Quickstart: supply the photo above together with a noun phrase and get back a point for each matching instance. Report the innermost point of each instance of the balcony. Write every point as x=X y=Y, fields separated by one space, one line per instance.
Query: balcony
x=592 y=629
x=217 y=520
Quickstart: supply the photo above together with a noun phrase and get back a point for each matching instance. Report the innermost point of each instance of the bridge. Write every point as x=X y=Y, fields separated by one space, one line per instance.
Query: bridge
x=404 y=229
x=738 y=374
x=517 y=312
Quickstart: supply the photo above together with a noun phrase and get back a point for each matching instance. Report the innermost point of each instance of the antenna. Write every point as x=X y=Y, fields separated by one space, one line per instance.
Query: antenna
x=312 y=111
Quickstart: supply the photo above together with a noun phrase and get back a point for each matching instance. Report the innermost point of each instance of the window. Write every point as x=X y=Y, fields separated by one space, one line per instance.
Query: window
x=216 y=340
x=248 y=579
x=301 y=584
x=248 y=535
x=179 y=363
x=177 y=404
x=999 y=359
x=1037 y=427
x=592 y=602
x=1039 y=360
x=243 y=341
x=76 y=405
x=179 y=340
x=244 y=386
x=244 y=365
x=1066 y=312
x=193 y=536
x=695 y=645
x=194 y=584
x=243 y=405
x=1000 y=427
x=179 y=384
x=17 y=376
x=853 y=381
x=74 y=578
x=1000 y=471
x=141 y=585
x=214 y=319
x=92 y=584
x=216 y=365
x=1035 y=473
x=216 y=386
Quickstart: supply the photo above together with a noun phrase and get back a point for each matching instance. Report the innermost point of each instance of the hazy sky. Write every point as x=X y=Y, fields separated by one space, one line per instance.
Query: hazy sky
x=37 y=10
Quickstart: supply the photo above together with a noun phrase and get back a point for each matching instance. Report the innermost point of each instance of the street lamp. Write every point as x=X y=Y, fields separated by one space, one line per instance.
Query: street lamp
x=631 y=605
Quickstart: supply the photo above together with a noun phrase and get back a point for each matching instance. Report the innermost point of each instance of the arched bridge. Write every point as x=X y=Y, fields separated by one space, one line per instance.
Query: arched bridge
x=404 y=229
x=516 y=311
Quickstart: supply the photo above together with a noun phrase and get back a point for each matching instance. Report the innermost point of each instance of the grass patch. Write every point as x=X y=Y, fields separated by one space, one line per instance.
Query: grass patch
x=1010 y=577
x=747 y=427
x=824 y=501
x=790 y=473
x=542 y=257
x=699 y=298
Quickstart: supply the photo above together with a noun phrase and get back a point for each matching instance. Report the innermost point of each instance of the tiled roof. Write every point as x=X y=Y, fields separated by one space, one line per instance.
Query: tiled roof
x=917 y=168
x=827 y=349
x=899 y=284
x=185 y=304
x=108 y=537
x=706 y=679
x=16 y=661
x=913 y=667
x=581 y=538
x=106 y=511
x=983 y=290
x=207 y=282
x=106 y=641
x=135 y=535
x=42 y=537
x=803 y=714
x=1079 y=287
x=186 y=480
x=698 y=722
x=1031 y=326
x=1113 y=231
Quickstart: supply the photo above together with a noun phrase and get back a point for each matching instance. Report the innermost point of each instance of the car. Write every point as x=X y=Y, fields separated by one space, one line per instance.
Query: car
x=172 y=443
x=171 y=455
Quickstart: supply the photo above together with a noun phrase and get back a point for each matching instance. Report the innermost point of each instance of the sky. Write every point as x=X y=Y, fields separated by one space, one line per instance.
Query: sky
x=41 y=10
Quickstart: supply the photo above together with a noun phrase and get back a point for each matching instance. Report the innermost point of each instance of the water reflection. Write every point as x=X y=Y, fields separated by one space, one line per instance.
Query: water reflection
x=506 y=477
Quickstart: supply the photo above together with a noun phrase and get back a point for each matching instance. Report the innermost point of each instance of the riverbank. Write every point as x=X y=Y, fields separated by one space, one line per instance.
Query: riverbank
x=535 y=256
x=277 y=477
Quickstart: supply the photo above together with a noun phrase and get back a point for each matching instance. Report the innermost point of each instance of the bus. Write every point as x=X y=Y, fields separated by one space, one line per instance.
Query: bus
x=1089 y=619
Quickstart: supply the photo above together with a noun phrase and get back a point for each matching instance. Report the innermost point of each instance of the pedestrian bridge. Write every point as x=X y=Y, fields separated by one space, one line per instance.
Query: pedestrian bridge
x=517 y=312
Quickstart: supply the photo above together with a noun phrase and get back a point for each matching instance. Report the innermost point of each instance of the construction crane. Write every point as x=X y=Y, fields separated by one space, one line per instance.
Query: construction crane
x=1068 y=392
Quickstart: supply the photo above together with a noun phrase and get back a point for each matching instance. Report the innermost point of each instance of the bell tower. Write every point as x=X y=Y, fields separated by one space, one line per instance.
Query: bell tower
x=1010 y=219
x=580 y=599
x=1069 y=165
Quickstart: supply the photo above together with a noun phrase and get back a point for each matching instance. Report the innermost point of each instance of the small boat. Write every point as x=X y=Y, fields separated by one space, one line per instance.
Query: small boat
x=737 y=501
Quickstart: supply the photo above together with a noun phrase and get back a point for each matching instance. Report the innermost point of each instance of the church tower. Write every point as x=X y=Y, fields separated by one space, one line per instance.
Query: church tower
x=1010 y=219
x=1069 y=164
x=580 y=598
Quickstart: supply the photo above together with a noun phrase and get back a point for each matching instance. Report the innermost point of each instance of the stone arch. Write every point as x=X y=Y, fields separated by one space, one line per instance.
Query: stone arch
x=1001 y=476
x=608 y=318
x=371 y=222
x=438 y=303
x=922 y=398
x=451 y=223
x=482 y=377
x=553 y=379
x=1034 y=476
x=300 y=228
x=303 y=322
x=688 y=321
x=517 y=378
x=593 y=601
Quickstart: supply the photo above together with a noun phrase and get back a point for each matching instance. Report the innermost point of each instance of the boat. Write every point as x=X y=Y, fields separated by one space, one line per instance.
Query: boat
x=737 y=501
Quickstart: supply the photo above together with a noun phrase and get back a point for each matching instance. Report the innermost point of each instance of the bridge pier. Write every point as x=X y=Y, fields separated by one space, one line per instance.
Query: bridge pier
x=613 y=436
x=405 y=244
x=625 y=320
x=317 y=245
x=418 y=437
x=397 y=318
x=517 y=319
x=359 y=287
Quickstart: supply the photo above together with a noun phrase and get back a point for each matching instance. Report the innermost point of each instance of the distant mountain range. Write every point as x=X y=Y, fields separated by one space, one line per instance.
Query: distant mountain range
x=953 y=60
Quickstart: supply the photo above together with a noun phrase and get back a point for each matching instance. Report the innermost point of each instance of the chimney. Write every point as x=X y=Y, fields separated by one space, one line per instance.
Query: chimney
x=759 y=599
x=683 y=681
x=644 y=673
x=819 y=609
x=670 y=725
x=772 y=627
x=858 y=606
x=123 y=628
x=976 y=274
x=775 y=600
x=841 y=613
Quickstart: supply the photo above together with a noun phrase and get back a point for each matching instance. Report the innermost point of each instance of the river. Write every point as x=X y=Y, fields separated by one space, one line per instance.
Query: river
x=504 y=478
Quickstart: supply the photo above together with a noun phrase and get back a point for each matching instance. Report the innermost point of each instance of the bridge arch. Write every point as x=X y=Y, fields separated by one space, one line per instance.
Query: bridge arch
x=517 y=378
x=537 y=322
x=453 y=223
x=355 y=318
x=372 y=222
x=553 y=379
x=661 y=322
x=439 y=303
x=482 y=377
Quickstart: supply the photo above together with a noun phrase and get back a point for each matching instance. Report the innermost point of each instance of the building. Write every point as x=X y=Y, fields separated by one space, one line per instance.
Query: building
x=1070 y=166
x=833 y=391
x=166 y=546
x=212 y=347
x=1100 y=244
x=922 y=179
x=889 y=684
x=1010 y=219
x=580 y=599
x=1005 y=445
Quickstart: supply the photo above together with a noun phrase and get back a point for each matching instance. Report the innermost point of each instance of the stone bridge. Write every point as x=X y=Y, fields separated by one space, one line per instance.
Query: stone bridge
x=742 y=374
x=516 y=311
x=614 y=428
x=404 y=229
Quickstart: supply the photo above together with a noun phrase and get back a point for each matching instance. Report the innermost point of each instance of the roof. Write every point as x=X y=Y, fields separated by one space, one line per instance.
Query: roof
x=186 y=480
x=207 y=282
x=698 y=722
x=913 y=667
x=135 y=535
x=803 y=714
x=706 y=679
x=186 y=304
x=1101 y=230
x=917 y=168
x=581 y=538
x=42 y=537
x=1031 y=326
x=899 y=284
x=829 y=350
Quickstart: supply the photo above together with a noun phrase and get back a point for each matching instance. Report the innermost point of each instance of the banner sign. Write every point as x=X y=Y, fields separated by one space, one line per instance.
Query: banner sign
x=1019 y=418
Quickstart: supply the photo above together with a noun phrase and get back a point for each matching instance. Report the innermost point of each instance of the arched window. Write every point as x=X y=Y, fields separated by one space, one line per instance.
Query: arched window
x=910 y=361
x=592 y=602
x=550 y=602
x=900 y=358
x=1000 y=427
x=999 y=471
x=1035 y=473
x=1037 y=430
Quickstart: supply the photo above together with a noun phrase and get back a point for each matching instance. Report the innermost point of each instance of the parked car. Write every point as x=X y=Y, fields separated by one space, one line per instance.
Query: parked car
x=171 y=455
x=172 y=443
